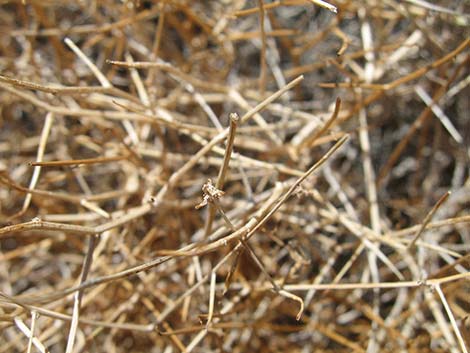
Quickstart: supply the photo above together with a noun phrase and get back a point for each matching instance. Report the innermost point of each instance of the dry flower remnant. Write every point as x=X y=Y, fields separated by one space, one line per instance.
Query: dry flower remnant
x=211 y=194
x=234 y=176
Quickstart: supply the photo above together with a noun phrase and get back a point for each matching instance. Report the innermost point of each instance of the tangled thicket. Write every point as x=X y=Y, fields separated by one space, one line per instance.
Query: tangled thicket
x=218 y=176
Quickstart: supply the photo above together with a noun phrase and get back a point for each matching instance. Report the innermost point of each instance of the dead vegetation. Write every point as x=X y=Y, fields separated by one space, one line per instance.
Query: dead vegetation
x=234 y=176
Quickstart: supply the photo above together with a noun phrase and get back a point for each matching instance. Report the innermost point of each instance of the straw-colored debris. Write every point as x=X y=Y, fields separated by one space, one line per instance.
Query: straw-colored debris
x=234 y=176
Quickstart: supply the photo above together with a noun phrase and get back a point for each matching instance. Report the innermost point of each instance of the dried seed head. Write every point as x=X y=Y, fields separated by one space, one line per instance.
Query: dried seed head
x=210 y=193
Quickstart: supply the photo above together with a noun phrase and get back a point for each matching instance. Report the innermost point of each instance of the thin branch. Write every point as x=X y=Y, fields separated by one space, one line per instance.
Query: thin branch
x=428 y=219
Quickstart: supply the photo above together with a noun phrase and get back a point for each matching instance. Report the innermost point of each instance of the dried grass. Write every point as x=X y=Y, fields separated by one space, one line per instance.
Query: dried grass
x=218 y=176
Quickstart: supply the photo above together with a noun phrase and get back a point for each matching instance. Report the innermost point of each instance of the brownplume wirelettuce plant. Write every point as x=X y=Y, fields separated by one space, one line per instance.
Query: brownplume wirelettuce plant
x=234 y=176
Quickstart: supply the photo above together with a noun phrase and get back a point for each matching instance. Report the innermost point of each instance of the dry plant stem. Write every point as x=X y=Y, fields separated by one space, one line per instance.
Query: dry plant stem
x=457 y=88
x=233 y=267
x=320 y=277
x=349 y=263
x=433 y=7
x=211 y=299
x=311 y=140
x=457 y=333
x=77 y=162
x=174 y=71
x=369 y=180
x=189 y=87
x=374 y=249
x=38 y=224
x=254 y=224
x=181 y=331
x=203 y=104
x=171 y=277
x=55 y=90
x=446 y=269
x=157 y=41
x=217 y=139
x=225 y=309
x=365 y=234
x=250 y=162
x=326 y=61
x=234 y=118
x=344 y=39
x=84 y=321
x=85 y=29
x=441 y=321
x=40 y=154
x=99 y=75
x=270 y=99
x=139 y=85
x=169 y=309
x=105 y=114
x=249 y=230
x=416 y=125
x=199 y=337
x=312 y=41
x=273 y=5
x=262 y=64
x=88 y=230
x=325 y=5
x=144 y=209
x=254 y=10
x=388 y=240
x=238 y=99
x=26 y=250
x=428 y=219
x=445 y=121
x=259 y=264
x=163 y=117
x=76 y=199
x=291 y=287
x=34 y=316
x=227 y=221
x=246 y=184
x=411 y=76
x=247 y=246
x=431 y=225
x=26 y=331
x=380 y=285
x=95 y=208
x=256 y=34
x=286 y=294
x=78 y=295
x=299 y=181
